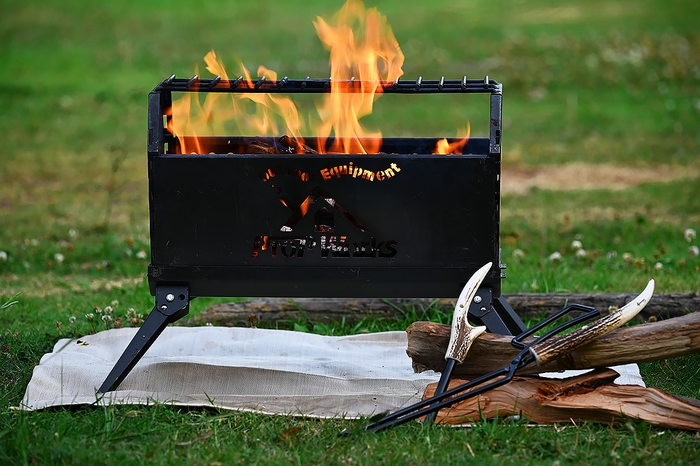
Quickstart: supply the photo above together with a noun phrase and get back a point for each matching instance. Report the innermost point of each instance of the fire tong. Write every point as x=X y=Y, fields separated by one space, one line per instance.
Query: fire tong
x=462 y=335
x=541 y=350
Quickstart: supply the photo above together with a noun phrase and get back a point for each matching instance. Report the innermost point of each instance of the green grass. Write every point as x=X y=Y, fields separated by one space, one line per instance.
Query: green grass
x=596 y=82
x=165 y=435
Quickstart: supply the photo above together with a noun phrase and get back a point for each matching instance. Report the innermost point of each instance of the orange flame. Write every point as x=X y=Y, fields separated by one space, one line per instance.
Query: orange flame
x=368 y=52
x=269 y=112
x=447 y=148
x=181 y=126
x=363 y=50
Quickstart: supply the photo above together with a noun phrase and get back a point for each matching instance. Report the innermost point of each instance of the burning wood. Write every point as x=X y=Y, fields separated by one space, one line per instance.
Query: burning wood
x=297 y=146
x=293 y=145
x=259 y=147
x=590 y=397
x=364 y=57
x=680 y=336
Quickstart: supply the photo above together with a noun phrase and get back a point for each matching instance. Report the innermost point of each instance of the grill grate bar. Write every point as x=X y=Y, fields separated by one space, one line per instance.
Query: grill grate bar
x=307 y=85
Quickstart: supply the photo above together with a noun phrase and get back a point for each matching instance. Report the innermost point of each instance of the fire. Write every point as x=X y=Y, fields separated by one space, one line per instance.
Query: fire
x=363 y=51
x=370 y=53
x=447 y=148
x=269 y=111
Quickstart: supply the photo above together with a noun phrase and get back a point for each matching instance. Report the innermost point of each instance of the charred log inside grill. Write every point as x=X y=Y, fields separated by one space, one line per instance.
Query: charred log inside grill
x=287 y=145
x=259 y=147
x=294 y=145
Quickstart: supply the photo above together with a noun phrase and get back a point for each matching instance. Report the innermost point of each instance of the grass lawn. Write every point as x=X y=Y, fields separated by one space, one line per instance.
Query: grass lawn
x=606 y=84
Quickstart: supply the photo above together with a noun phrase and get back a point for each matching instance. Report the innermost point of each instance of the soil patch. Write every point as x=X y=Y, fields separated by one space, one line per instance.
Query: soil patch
x=576 y=176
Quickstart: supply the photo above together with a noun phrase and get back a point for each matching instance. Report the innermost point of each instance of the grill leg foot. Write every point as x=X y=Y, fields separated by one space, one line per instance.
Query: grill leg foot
x=172 y=303
x=496 y=314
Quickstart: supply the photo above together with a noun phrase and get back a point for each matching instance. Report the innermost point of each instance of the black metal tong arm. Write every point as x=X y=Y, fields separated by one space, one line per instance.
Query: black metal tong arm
x=488 y=381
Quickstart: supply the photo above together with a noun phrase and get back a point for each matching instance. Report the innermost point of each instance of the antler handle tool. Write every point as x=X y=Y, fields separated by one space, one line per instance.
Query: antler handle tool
x=547 y=350
x=462 y=334
x=540 y=351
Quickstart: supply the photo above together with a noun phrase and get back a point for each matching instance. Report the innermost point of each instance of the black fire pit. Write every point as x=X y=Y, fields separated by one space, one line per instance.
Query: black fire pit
x=401 y=223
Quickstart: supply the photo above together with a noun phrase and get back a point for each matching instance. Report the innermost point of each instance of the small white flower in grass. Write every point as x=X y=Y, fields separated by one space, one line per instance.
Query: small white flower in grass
x=689 y=234
x=612 y=254
x=518 y=254
x=71 y=319
x=627 y=257
x=3 y=256
x=209 y=324
x=72 y=233
x=576 y=245
x=107 y=318
x=658 y=266
x=581 y=253
x=693 y=251
x=108 y=310
x=98 y=310
x=555 y=256
x=59 y=258
x=141 y=254
x=90 y=316
x=114 y=303
x=34 y=242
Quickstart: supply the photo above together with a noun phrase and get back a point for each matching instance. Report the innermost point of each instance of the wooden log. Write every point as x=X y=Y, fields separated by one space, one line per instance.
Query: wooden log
x=662 y=306
x=259 y=147
x=591 y=397
x=299 y=147
x=272 y=310
x=680 y=336
x=281 y=310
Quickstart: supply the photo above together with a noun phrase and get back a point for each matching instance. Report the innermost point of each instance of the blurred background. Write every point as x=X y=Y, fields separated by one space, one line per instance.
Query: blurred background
x=598 y=83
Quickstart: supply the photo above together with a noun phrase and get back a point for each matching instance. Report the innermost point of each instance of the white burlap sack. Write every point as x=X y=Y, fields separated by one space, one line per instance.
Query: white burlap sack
x=271 y=371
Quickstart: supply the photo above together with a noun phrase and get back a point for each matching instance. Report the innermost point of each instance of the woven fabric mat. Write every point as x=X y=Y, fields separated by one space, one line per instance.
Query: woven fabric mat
x=269 y=371
x=272 y=371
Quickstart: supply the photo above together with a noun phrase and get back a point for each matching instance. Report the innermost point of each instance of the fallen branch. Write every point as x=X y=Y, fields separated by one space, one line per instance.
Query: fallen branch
x=662 y=306
x=326 y=310
x=680 y=336
x=591 y=397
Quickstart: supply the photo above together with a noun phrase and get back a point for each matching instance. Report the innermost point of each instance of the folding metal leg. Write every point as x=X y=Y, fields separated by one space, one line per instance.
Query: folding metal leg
x=496 y=315
x=172 y=303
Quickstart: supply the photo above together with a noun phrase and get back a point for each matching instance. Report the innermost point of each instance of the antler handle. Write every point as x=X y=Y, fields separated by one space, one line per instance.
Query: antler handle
x=548 y=350
x=462 y=334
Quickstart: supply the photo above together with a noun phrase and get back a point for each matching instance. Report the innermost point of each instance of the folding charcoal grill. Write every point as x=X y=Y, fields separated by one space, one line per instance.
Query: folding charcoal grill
x=403 y=223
